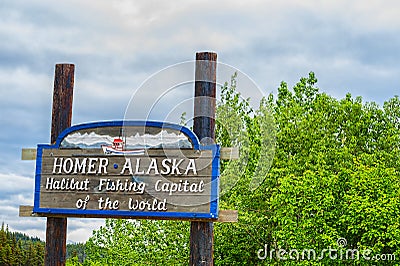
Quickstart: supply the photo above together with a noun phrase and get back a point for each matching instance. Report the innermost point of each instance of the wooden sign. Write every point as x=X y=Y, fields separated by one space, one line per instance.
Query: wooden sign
x=137 y=169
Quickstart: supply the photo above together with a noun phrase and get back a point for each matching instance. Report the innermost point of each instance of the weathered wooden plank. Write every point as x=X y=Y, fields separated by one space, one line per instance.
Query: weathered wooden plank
x=26 y=211
x=150 y=152
x=114 y=185
x=229 y=153
x=224 y=216
x=115 y=164
x=194 y=203
x=227 y=216
x=116 y=168
x=28 y=154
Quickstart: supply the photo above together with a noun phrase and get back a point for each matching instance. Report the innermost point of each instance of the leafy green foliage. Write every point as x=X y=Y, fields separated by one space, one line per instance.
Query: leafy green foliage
x=335 y=175
x=76 y=253
x=313 y=170
x=144 y=242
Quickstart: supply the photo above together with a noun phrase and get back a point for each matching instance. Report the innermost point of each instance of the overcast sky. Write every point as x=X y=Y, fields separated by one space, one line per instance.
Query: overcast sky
x=352 y=46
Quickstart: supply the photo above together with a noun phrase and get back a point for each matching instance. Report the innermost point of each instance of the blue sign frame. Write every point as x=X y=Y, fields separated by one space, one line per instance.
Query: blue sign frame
x=215 y=172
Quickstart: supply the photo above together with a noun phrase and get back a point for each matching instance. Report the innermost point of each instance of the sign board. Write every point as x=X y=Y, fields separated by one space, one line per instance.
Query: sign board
x=137 y=169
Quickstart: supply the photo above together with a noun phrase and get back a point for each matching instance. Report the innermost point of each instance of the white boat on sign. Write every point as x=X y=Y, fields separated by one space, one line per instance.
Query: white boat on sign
x=118 y=148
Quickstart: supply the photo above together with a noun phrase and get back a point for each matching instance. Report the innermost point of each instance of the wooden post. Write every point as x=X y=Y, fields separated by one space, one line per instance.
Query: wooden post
x=56 y=228
x=202 y=233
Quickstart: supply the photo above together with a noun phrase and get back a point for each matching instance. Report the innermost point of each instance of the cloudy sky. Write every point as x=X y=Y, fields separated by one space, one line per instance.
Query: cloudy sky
x=352 y=46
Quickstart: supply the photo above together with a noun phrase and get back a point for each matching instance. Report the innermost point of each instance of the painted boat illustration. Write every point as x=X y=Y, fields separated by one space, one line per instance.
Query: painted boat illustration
x=118 y=148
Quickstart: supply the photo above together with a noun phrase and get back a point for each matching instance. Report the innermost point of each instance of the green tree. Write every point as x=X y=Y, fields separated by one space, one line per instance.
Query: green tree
x=314 y=173
x=20 y=249
x=139 y=242
x=308 y=200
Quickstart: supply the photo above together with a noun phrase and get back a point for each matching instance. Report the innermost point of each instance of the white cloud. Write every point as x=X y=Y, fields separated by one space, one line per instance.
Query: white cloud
x=12 y=184
x=79 y=230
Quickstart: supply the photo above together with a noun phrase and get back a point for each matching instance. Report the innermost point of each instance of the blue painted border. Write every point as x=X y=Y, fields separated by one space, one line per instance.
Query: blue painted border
x=213 y=213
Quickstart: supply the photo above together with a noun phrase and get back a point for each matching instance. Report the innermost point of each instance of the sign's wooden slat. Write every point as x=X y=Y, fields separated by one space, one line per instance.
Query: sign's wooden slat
x=227 y=153
x=224 y=216
x=116 y=186
x=228 y=216
x=160 y=205
x=28 y=154
x=150 y=152
x=115 y=165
